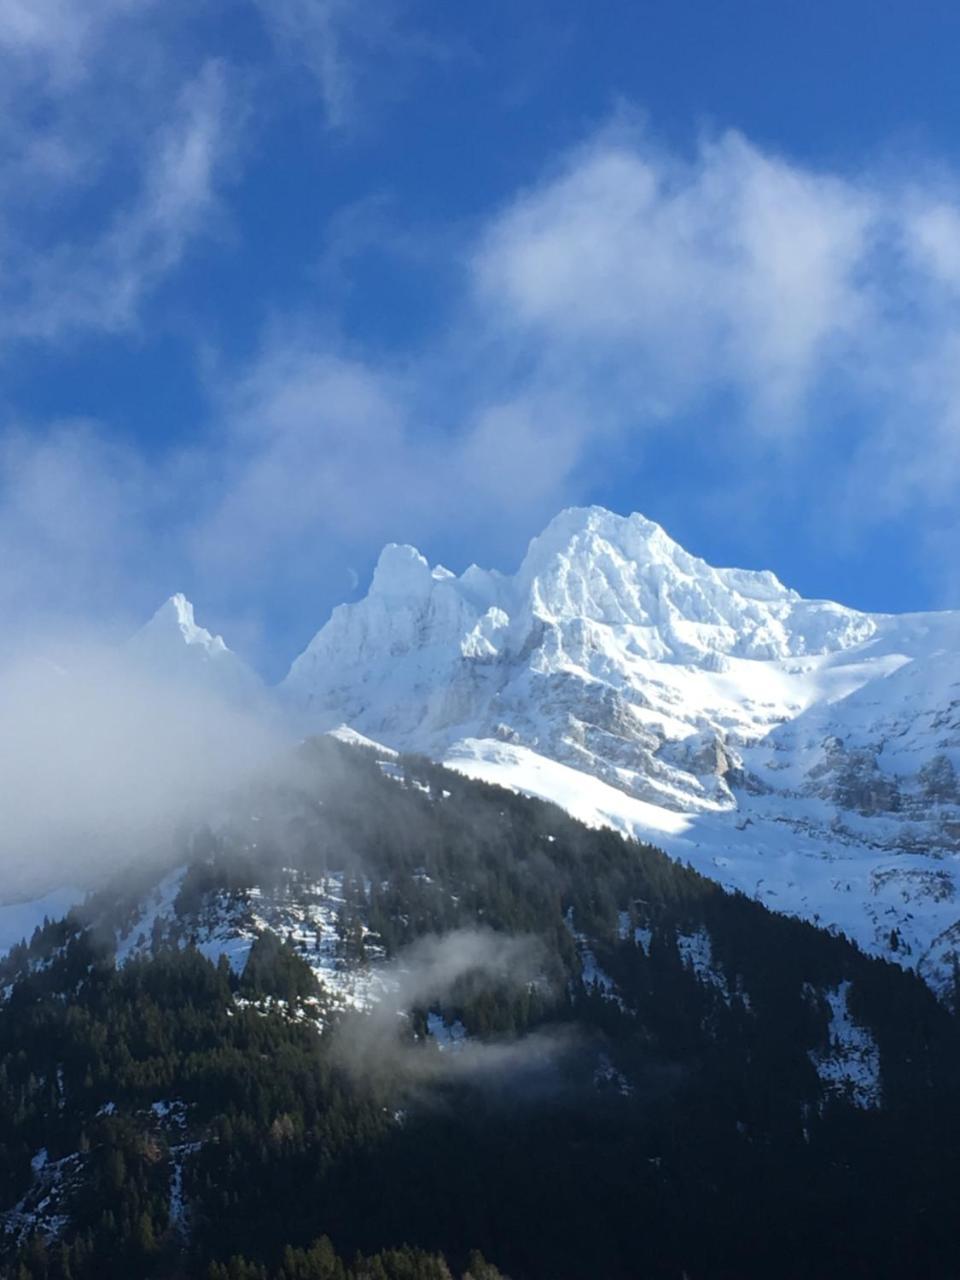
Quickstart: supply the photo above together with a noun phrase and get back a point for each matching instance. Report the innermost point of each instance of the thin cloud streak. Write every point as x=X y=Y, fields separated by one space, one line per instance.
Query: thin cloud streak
x=354 y=52
x=100 y=283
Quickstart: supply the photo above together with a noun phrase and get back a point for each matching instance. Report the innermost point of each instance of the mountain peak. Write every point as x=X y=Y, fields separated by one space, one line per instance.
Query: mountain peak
x=579 y=533
x=589 y=568
x=741 y=720
x=401 y=571
x=176 y=617
x=595 y=565
x=596 y=519
x=173 y=644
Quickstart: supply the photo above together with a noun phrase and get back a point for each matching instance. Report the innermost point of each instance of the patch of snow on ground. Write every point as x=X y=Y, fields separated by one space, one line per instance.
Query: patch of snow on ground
x=39 y=1211
x=171 y=1113
x=594 y=978
x=606 y=1076
x=158 y=906
x=850 y=1068
x=450 y=1036
x=344 y=733
x=302 y=912
x=643 y=938
x=178 y=1214
x=306 y=916
x=697 y=954
x=590 y=801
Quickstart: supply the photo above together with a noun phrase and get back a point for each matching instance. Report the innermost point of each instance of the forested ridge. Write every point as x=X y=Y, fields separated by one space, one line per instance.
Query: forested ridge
x=651 y=1103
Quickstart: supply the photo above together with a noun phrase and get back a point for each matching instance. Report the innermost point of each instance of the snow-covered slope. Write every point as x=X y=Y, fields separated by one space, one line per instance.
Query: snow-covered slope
x=797 y=749
x=302 y=911
x=19 y=919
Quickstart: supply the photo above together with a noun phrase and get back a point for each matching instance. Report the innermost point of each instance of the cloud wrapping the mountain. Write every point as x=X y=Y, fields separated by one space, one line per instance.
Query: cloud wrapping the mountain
x=103 y=758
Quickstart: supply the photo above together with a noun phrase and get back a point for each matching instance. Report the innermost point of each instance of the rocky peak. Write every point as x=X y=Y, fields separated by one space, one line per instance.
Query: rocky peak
x=173 y=644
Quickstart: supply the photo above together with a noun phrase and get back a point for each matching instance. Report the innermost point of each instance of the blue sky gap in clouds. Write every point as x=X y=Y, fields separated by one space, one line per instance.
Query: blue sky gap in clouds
x=282 y=280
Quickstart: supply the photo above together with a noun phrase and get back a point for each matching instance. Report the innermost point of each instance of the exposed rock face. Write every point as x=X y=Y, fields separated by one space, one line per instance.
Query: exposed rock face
x=937 y=781
x=853 y=780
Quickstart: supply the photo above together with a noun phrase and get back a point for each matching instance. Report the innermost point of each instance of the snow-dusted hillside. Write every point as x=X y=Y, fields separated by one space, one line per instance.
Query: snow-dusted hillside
x=799 y=750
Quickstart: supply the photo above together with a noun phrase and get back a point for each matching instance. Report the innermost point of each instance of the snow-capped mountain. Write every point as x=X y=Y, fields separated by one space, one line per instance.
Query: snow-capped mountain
x=173 y=645
x=796 y=749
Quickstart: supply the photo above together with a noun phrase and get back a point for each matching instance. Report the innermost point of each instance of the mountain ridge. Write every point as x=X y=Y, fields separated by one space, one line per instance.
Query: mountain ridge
x=789 y=735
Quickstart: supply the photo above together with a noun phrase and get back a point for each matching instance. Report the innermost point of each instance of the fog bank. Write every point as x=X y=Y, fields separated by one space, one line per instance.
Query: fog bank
x=102 y=761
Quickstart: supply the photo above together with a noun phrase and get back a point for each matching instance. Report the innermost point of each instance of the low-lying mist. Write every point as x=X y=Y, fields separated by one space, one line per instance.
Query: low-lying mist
x=101 y=762
x=377 y=1049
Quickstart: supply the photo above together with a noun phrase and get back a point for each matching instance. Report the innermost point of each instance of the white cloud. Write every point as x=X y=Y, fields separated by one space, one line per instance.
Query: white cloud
x=54 y=40
x=119 y=123
x=101 y=760
x=118 y=131
x=313 y=32
x=75 y=515
x=933 y=234
x=314 y=445
x=645 y=286
x=351 y=49
x=321 y=454
x=735 y=267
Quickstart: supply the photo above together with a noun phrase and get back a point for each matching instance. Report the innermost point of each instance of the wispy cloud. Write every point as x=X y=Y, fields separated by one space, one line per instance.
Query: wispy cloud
x=55 y=41
x=313 y=33
x=734 y=267
x=645 y=285
x=115 y=135
x=120 y=125
x=354 y=51
x=376 y=1048
x=98 y=282
x=323 y=456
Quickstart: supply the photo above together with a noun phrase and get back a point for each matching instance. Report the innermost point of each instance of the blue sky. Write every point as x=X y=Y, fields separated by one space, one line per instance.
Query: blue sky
x=282 y=280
